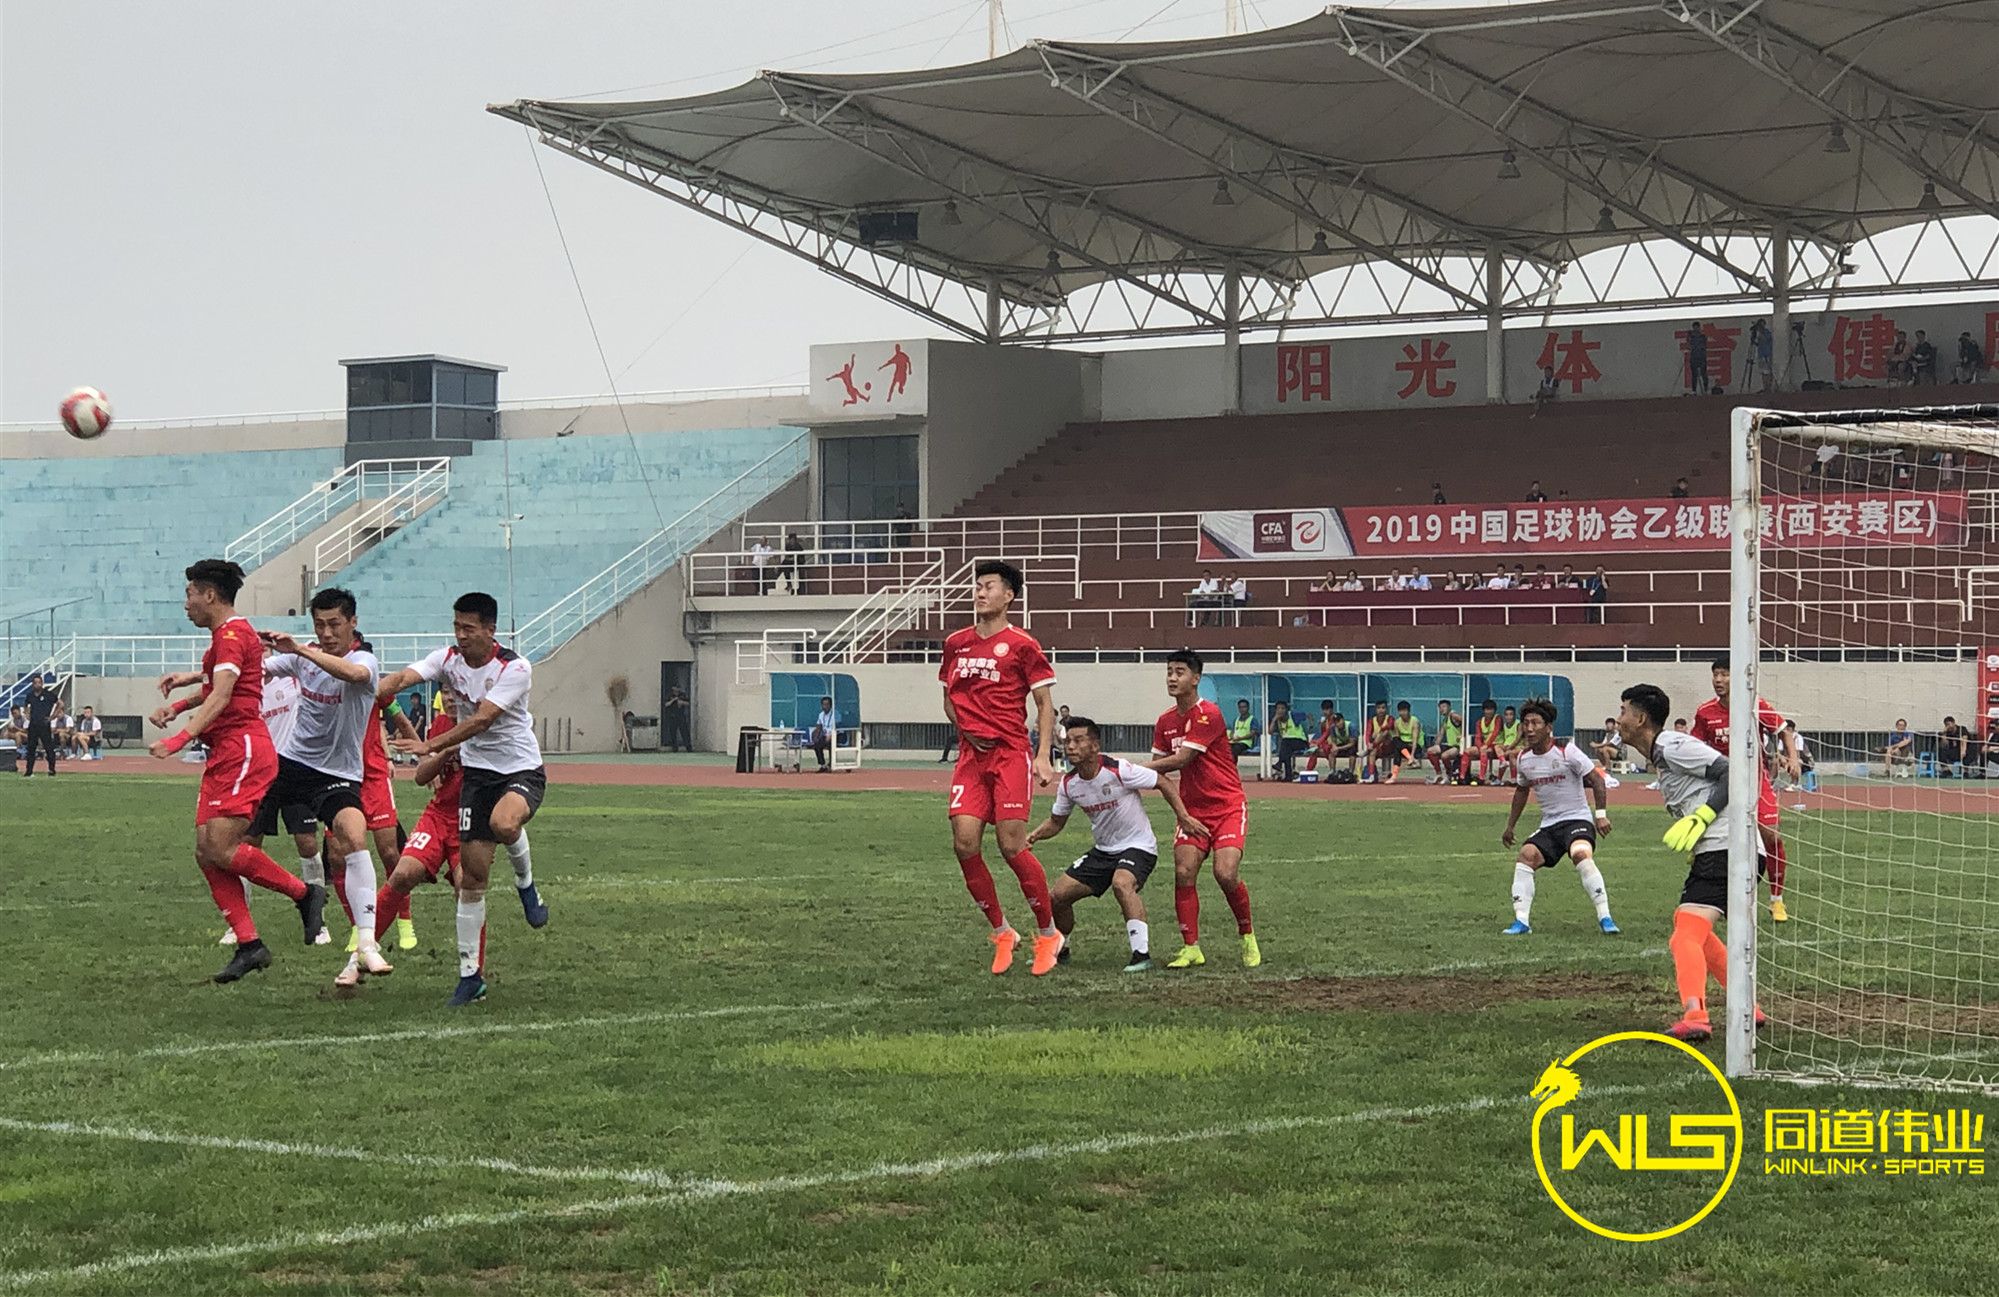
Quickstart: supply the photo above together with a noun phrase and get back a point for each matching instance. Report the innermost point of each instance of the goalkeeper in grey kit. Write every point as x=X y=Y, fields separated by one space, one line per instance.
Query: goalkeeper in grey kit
x=1693 y=779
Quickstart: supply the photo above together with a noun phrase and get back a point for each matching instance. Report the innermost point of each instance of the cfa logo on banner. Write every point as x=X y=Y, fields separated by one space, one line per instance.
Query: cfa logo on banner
x=1684 y=1141
x=1301 y=531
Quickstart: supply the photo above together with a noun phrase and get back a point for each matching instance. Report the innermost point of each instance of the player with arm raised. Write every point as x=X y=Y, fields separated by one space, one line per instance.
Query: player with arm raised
x=320 y=765
x=1192 y=739
x=1557 y=774
x=242 y=765
x=1693 y=779
x=990 y=669
x=1123 y=848
x=504 y=779
x=1711 y=727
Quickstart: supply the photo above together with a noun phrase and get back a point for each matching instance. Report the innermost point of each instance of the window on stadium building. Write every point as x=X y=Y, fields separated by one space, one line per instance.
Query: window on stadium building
x=421 y=398
x=867 y=478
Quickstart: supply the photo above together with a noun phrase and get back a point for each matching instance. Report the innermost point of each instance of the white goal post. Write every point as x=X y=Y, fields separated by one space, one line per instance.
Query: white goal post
x=1858 y=540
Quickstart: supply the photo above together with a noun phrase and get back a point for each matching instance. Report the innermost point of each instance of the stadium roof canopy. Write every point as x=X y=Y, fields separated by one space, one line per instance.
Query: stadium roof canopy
x=1365 y=164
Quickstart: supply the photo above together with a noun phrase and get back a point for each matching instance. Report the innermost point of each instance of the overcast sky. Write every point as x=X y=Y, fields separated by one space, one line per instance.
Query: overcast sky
x=203 y=206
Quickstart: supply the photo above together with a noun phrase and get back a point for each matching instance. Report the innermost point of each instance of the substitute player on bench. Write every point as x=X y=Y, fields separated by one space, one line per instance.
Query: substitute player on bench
x=1558 y=775
x=1123 y=848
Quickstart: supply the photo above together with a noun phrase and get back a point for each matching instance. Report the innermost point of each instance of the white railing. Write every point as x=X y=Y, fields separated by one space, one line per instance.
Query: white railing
x=754 y=656
x=381 y=519
x=1124 y=535
x=727 y=573
x=870 y=627
x=56 y=669
x=601 y=593
x=156 y=655
x=935 y=601
x=367 y=479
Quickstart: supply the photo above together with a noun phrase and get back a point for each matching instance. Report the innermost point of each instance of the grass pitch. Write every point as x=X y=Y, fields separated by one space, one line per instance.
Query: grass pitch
x=756 y=1051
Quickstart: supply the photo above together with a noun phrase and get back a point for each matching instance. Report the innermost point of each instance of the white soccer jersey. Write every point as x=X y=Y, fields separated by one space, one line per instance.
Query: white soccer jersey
x=331 y=719
x=509 y=746
x=1111 y=800
x=280 y=709
x=1683 y=762
x=1557 y=776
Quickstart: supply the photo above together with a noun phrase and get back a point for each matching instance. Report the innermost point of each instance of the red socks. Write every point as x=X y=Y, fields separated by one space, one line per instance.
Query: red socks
x=979 y=882
x=1774 y=866
x=250 y=863
x=1691 y=933
x=1239 y=904
x=228 y=894
x=1187 y=908
x=1034 y=886
x=386 y=901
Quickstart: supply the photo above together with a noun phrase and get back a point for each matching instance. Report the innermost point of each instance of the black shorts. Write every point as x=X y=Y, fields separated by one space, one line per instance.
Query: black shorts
x=1554 y=840
x=300 y=788
x=1707 y=880
x=1096 y=869
x=483 y=790
x=298 y=819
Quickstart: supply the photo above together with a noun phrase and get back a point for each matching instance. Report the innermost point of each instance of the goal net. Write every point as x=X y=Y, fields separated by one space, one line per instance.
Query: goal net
x=1864 y=613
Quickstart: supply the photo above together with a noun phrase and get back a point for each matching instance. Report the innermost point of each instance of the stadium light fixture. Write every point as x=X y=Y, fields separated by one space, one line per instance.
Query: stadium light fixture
x=1320 y=248
x=1054 y=262
x=951 y=216
x=1836 y=142
x=1223 y=198
x=1605 y=222
x=1928 y=202
x=1509 y=169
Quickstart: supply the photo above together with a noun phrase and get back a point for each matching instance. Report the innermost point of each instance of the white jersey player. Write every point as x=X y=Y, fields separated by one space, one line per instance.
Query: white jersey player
x=1123 y=847
x=503 y=776
x=1561 y=776
x=319 y=757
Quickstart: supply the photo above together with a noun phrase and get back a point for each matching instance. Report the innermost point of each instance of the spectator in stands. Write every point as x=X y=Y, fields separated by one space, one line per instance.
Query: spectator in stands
x=794 y=560
x=1897 y=364
x=1697 y=381
x=1519 y=576
x=1499 y=580
x=1061 y=737
x=1437 y=493
x=1206 y=594
x=1245 y=734
x=1946 y=462
x=1680 y=491
x=1562 y=494
x=1901 y=752
x=1542 y=578
x=676 y=734
x=1903 y=475
x=1568 y=580
x=1970 y=360
x=89 y=736
x=1950 y=749
x=1597 y=588
x=1761 y=348
x=761 y=554
x=825 y=734
x=1238 y=596
x=1822 y=462
x=1395 y=580
x=1207 y=584
x=1353 y=582
x=1418 y=581
x=1328 y=582
x=1923 y=360
x=1546 y=391
x=1535 y=495
x=1287 y=741
x=903 y=529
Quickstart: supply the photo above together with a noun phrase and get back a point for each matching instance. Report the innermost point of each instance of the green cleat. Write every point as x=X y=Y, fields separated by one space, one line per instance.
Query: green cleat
x=405 y=934
x=1141 y=962
x=1189 y=957
x=1251 y=956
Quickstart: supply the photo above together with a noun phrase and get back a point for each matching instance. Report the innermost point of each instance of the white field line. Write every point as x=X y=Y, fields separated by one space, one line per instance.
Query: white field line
x=424 y=1033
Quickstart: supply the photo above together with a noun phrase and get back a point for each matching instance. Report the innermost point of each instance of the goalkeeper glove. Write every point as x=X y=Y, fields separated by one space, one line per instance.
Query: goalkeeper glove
x=1687 y=830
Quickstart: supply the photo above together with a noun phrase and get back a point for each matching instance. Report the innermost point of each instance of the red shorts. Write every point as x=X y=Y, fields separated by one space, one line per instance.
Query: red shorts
x=1228 y=827
x=378 y=800
x=1766 y=805
x=993 y=785
x=436 y=838
x=240 y=770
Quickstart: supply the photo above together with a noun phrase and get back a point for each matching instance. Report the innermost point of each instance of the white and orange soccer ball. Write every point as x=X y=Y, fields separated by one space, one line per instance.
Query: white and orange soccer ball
x=86 y=413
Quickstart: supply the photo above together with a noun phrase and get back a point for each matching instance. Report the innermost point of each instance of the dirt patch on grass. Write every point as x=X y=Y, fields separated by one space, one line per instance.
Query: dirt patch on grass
x=1439 y=994
x=867 y=1211
x=1883 y=1020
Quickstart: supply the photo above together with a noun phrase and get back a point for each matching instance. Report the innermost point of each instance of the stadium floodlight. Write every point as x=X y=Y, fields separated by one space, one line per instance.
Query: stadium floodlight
x=1863 y=581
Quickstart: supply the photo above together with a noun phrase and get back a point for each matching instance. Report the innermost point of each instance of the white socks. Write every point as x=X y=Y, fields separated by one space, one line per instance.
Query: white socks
x=312 y=871
x=517 y=852
x=361 y=896
x=1140 y=941
x=471 y=934
x=1523 y=891
x=1593 y=887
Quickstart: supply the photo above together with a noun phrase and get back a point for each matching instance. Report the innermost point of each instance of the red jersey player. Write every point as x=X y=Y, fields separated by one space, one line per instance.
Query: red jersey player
x=242 y=763
x=1711 y=727
x=434 y=845
x=990 y=668
x=1193 y=739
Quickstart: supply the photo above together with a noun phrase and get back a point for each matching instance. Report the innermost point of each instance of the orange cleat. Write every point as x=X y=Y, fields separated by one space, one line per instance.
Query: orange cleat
x=1047 y=951
x=1691 y=1029
x=1003 y=943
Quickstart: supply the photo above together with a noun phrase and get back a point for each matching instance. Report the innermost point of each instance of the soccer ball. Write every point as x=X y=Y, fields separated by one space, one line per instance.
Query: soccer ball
x=86 y=413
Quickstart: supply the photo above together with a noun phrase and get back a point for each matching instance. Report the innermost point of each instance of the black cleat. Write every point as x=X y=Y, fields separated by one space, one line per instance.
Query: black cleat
x=312 y=909
x=251 y=957
x=1062 y=955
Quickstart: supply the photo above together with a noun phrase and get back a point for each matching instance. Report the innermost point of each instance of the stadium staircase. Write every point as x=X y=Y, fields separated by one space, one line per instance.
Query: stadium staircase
x=299 y=547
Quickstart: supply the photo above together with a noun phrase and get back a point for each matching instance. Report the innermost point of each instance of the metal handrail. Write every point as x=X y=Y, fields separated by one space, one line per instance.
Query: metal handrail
x=551 y=629
x=397 y=509
x=358 y=481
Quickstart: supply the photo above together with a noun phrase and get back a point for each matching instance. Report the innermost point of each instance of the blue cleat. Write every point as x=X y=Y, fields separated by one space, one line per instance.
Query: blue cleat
x=470 y=988
x=1516 y=929
x=1609 y=926
x=531 y=905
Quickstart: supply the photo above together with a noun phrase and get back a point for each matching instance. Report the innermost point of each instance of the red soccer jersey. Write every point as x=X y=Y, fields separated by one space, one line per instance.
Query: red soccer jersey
x=374 y=756
x=988 y=680
x=1711 y=722
x=234 y=644
x=1209 y=783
